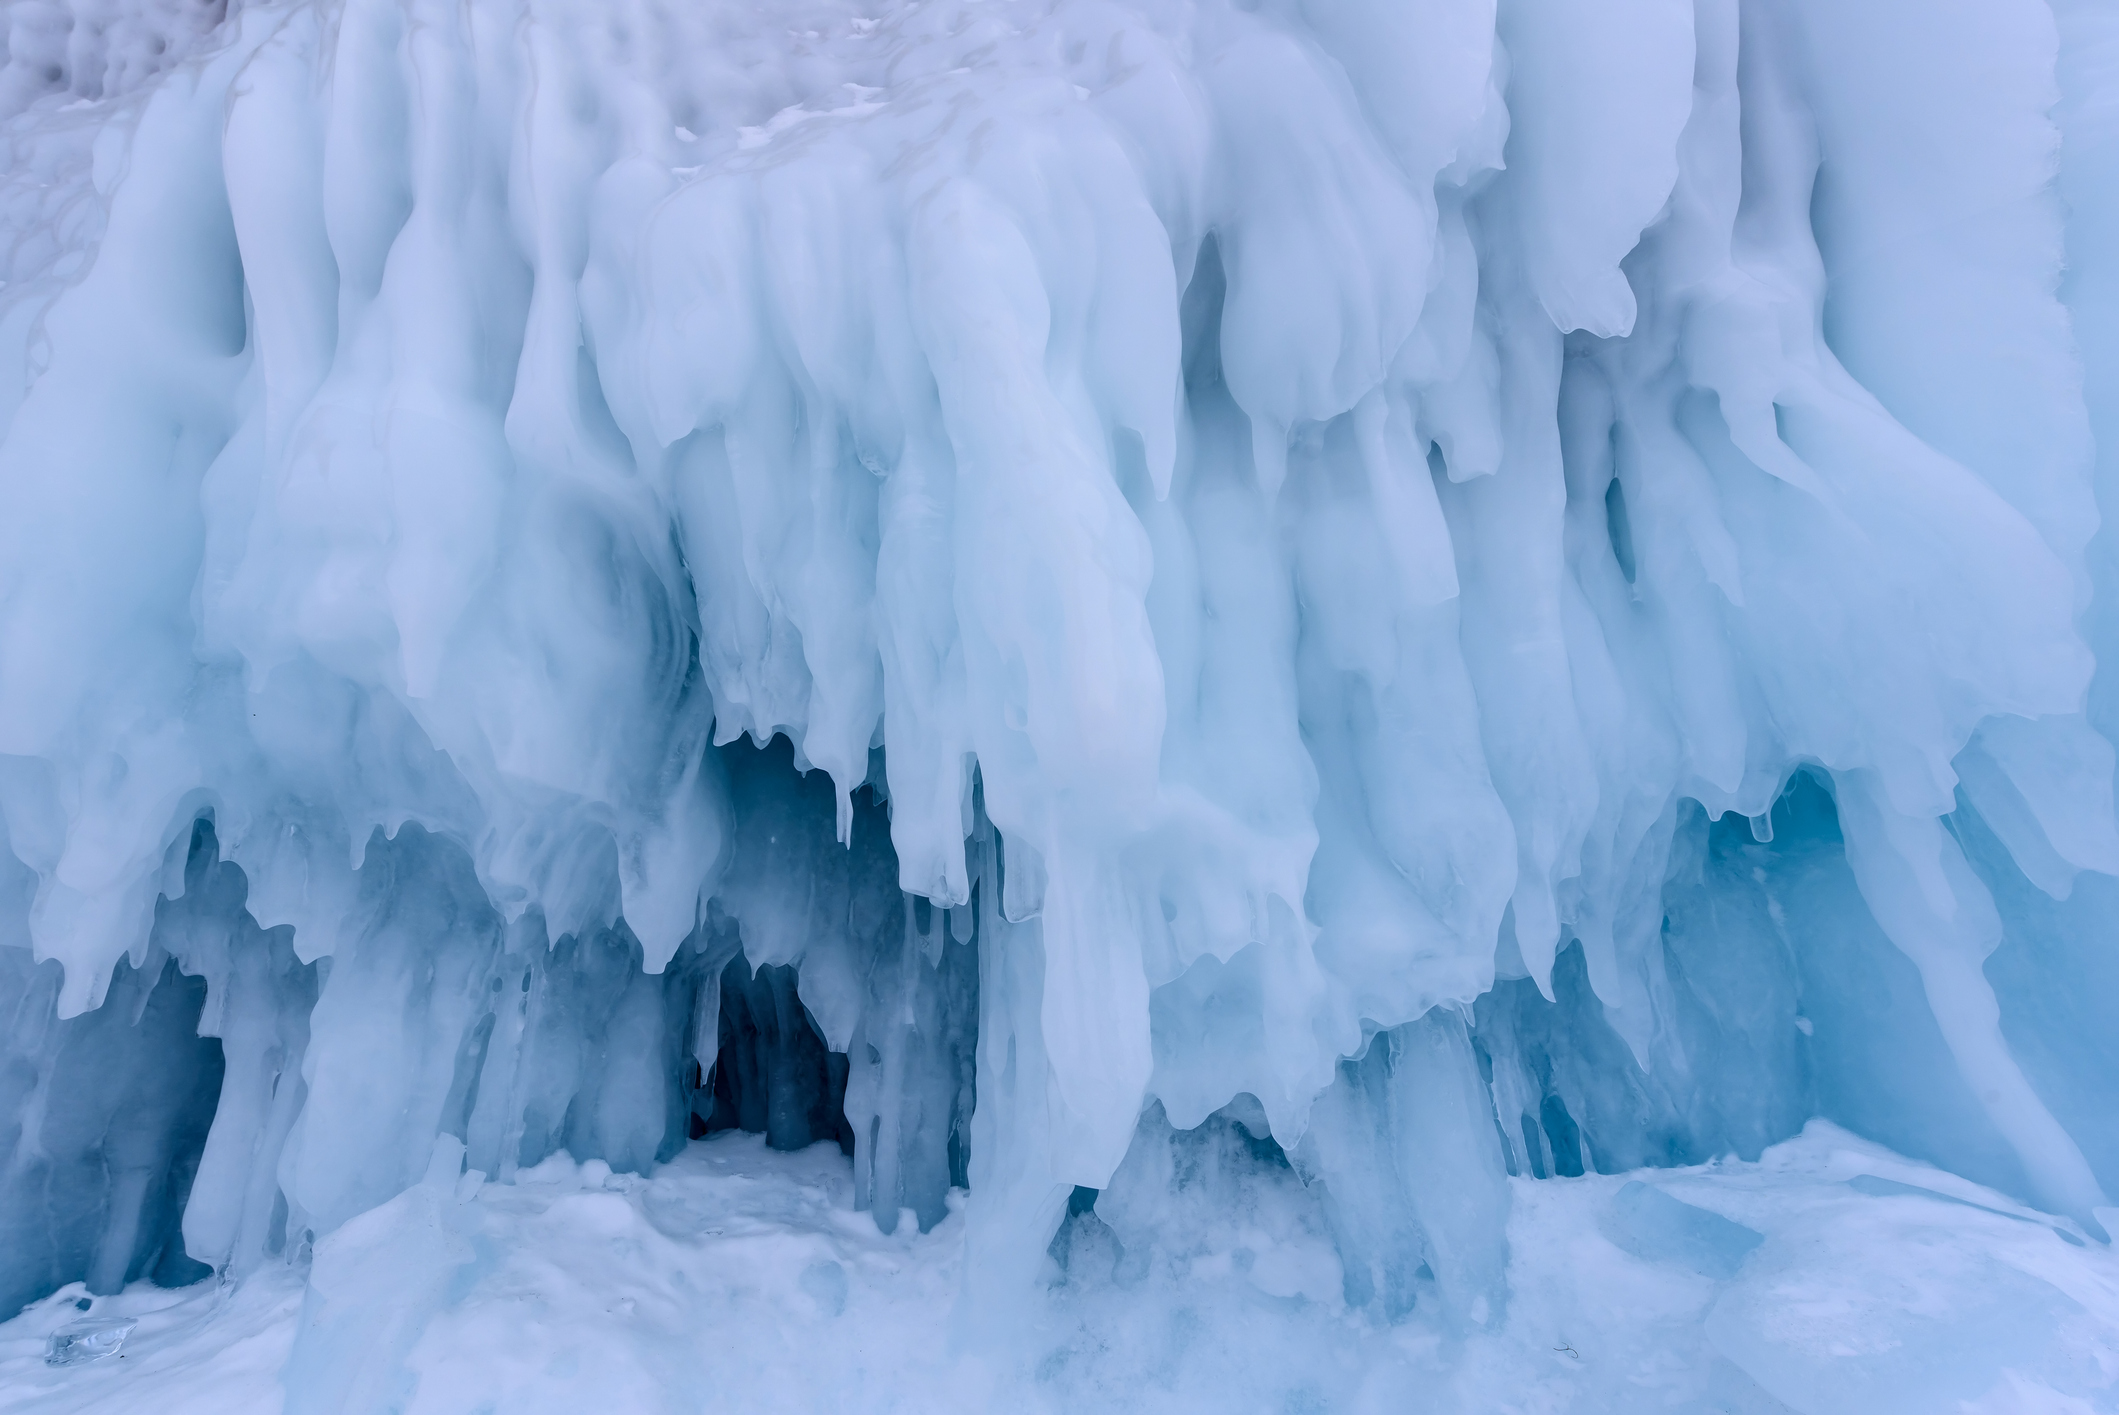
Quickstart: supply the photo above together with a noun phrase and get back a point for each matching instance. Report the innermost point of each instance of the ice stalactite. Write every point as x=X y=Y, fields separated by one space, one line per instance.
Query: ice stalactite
x=1405 y=1143
x=911 y=1088
x=259 y=998
x=1458 y=588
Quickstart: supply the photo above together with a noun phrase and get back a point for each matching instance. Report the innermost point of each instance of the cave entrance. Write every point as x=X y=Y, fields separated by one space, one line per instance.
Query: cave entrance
x=773 y=1074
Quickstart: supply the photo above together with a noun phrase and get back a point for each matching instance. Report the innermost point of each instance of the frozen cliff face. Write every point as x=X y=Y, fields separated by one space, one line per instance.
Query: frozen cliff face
x=1476 y=589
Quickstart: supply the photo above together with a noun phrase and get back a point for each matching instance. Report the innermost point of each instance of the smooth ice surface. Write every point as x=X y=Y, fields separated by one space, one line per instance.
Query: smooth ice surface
x=1433 y=601
x=576 y=1289
x=1648 y=1223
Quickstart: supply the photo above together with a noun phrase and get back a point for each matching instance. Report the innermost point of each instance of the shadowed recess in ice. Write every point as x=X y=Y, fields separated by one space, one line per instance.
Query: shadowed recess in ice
x=1477 y=589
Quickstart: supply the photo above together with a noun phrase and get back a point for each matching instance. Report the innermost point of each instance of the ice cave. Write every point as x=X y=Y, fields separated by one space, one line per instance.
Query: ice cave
x=1276 y=706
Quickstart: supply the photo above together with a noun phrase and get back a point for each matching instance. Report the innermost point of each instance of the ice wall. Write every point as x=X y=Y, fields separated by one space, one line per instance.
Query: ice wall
x=1473 y=587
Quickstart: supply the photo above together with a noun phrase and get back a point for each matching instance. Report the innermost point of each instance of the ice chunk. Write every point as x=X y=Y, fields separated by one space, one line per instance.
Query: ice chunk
x=1876 y=1185
x=1651 y=1224
x=91 y=1339
x=1946 y=1319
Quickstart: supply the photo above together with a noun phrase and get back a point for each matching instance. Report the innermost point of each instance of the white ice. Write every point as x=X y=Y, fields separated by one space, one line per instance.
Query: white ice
x=1497 y=593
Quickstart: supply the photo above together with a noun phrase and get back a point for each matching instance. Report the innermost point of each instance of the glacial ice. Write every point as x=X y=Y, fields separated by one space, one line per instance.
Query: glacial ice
x=1076 y=598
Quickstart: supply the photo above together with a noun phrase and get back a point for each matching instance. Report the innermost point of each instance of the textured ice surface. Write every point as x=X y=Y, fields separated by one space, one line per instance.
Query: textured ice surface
x=577 y=1289
x=1444 y=598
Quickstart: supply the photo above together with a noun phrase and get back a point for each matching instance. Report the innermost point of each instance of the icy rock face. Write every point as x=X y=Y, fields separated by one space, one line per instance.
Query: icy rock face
x=1479 y=587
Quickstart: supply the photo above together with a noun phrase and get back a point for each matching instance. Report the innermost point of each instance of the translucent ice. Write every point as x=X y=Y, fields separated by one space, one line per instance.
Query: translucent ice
x=90 y=1339
x=1650 y=1224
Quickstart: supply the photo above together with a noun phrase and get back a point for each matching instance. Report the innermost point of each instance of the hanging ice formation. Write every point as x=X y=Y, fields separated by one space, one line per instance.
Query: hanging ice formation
x=1481 y=588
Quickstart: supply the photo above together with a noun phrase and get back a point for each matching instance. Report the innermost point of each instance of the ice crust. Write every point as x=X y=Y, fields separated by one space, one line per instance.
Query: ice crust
x=1471 y=590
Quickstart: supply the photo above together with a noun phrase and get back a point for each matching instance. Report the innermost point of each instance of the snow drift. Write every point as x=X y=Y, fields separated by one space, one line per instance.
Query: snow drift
x=1475 y=590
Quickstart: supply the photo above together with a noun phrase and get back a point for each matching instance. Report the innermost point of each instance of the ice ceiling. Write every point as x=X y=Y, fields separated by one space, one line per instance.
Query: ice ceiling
x=1480 y=589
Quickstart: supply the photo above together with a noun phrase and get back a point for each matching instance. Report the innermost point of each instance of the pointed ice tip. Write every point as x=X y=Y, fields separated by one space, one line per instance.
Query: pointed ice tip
x=81 y=990
x=1601 y=305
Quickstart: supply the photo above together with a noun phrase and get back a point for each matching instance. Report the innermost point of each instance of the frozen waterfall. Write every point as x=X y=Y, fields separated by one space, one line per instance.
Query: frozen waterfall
x=1114 y=606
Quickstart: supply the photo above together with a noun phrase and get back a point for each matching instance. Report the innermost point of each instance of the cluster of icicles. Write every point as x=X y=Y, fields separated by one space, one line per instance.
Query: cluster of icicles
x=1294 y=548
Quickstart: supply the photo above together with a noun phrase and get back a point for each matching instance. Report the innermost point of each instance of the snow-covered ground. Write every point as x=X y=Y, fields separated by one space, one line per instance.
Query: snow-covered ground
x=736 y=1278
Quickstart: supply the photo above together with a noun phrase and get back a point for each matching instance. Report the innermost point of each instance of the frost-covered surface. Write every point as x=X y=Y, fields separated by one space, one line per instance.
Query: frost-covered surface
x=1485 y=592
x=737 y=1279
